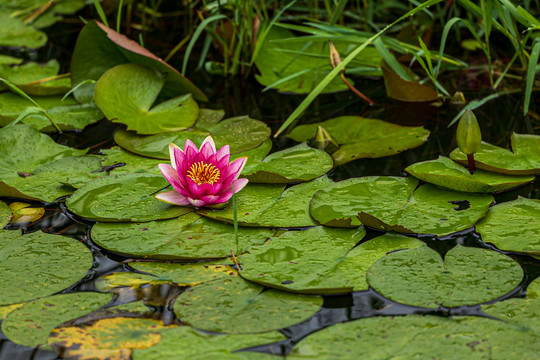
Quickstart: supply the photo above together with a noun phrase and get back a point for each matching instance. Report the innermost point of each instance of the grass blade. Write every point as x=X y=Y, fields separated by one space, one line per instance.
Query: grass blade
x=391 y=60
x=235 y=217
x=531 y=72
x=101 y=13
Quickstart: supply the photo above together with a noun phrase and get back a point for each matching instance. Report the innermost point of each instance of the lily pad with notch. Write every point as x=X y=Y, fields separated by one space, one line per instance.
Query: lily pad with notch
x=395 y=204
x=186 y=237
x=186 y=274
x=37 y=79
x=229 y=306
x=524 y=159
x=513 y=226
x=127 y=94
x=240 y=133
x=124 y=197
x=360 y=137
x=198 y=345
x=99 y=48
x=37 y=265
x=454 y=281
x=294 y=262
x=451 y=175
x=295 y=164
x=31 y=324
x=270 y=205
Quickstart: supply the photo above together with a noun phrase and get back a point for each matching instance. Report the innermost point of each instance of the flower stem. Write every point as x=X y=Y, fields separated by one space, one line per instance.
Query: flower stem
x=472 y=167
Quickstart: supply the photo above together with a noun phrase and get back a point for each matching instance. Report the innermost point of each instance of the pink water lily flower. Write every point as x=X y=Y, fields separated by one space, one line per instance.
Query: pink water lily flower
x=201 y=177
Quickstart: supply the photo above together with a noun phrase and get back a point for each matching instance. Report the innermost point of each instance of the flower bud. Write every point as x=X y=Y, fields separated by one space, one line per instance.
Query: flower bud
x=324 y=141
x=468 y=135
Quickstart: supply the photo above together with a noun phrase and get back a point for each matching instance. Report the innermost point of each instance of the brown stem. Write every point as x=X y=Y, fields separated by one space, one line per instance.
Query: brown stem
x=355 y=90
x=470 y=158
x=236 y=261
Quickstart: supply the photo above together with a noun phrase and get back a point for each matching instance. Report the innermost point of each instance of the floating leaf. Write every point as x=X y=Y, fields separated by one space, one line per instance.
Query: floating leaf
x=126 y=279
x=269 y=205
x=37 y=264
x=294 y=164
x=513 y=225
x=186 y=237
x=114 y=338
x=186 y=274
x=31 y=324
x=296 y=64
x=197 y=345
x=449 y=174
x=67 y=117
x=405 y=337
x=48 y=182
x=454 y=281
x=24 y=213
x=231 y=304
x=120 y=161
x=124 y=197
x=5 y=310
x=36 y=79
x=14 y=32
x=12 y=105
x=524 y=160
x=240 y=133
x=294 y=262
x=5 y=214
x=405 y=90
x=359 y=137
x=392 y=203
x=523 y=313
x=126 y=94
x=9 y=60
x=100 y=48
x=53 y=11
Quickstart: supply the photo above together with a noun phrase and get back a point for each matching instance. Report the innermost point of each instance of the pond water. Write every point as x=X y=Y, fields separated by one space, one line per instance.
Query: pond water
x=497 y=122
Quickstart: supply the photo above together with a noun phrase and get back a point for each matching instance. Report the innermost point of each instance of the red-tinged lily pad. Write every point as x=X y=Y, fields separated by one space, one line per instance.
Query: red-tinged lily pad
x=451 y=175
x=454 y=281
x=524 y=159
x=127 y=93
x=114 y=338
x=229 y=306
x=406 y=90
x=395 y=204
x=30 y=324
x=360 y=137
x=513 y=226
x=100 y=48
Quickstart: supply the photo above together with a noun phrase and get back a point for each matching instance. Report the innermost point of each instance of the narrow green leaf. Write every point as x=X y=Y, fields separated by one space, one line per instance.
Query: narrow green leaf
x=531 y=72
x=101 y=13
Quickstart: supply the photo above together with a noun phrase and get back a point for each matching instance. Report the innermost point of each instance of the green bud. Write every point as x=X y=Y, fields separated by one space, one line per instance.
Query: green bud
x=468 y=135
x=324 y=141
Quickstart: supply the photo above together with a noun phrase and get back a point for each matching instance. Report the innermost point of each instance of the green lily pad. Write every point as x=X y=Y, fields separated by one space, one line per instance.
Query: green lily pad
x=521 y=235
x=505 y=341
x=100 y=48
x=9 y=60
x=5 y=214
x=294 y=262
x=36 y=79
x=449 y=174
x=392 y=203
x=400 y=337
x=186 y=237
x=15 y=33
x=230 y=305
x=54 y=10
x=48 y=182
x=126 y=94
x=114 y=338
x=186 y=274
x=240 y=133
x=197 y=345
x=5 y=310
x=67 y=117
x=23 y=148
x=31 y=324
x=126 y=279
x=124 y=197
x=127 y=162
x=523 y=313
x=269 y=205
x=300 y=63
x=37 y=264
x=454 y=281
x=359 y=137
x=294 y=164
x=12 y=105
x=523 y=160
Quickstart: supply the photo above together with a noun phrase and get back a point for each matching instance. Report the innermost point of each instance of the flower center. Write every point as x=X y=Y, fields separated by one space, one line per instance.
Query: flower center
x=202 y=173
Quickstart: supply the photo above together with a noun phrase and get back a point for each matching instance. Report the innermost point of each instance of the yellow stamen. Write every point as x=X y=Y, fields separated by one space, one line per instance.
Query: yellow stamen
x=202 y=173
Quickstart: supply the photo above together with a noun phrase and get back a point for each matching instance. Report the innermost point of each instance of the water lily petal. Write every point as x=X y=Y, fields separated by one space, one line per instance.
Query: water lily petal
x=224 y=151
x=208 y=147
x=239 y=184
x=191 y=152
x=210 y=199
x=172 y=149
x=209 y=141
x=177 y=182
x=237 y=166
x=179 y=157
x=172 y=197
x=196 y=202
x=223 y=164
x=224 y=197
x=190 y=145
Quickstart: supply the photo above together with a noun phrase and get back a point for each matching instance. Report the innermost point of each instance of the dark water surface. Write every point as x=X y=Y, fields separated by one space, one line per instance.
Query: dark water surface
x=497 y=120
